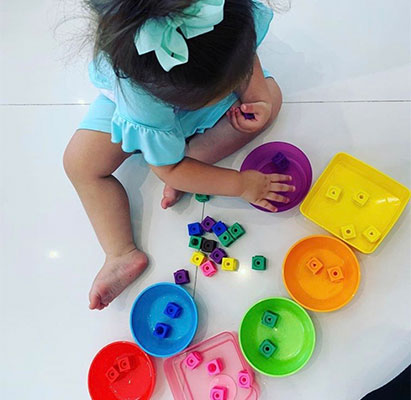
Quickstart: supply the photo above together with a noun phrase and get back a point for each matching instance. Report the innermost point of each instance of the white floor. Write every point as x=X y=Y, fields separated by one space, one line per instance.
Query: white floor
x=345 y=72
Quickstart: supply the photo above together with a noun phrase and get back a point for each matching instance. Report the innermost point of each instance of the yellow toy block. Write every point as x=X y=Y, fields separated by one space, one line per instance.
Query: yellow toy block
x=372 y=234
x=360 y=198
x=197 y=258
x=348 y=232
x=333 y=193
x=314 y=265
x=335 y=274
x=229 y=264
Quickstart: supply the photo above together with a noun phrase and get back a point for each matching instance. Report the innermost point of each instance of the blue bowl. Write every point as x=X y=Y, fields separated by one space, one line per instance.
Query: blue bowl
x=148 y=310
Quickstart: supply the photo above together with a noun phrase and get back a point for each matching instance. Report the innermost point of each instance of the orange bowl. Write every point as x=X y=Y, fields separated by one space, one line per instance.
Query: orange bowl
x=321 y=273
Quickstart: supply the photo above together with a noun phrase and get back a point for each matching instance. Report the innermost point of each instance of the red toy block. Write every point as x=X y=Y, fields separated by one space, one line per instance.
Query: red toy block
x=112 y=374
x=123 y=364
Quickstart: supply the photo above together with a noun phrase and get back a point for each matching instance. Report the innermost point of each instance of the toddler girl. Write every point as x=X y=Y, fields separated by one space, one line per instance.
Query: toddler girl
x=177 y=78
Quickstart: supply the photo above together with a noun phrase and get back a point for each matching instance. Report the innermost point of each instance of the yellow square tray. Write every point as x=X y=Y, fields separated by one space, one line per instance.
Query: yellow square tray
x=383 y=198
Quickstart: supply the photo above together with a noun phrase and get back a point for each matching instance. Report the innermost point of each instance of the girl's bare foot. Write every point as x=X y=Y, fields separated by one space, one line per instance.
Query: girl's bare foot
x=117 y=273
x=170 y=197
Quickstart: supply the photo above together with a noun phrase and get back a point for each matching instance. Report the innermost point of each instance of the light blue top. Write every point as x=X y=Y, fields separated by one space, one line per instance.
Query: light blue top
x=140 y=122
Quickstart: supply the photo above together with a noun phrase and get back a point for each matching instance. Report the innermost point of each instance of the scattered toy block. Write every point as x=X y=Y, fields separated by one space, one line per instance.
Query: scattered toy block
x=229 y=264
x=226 y=239
x=244 y=379
x=360 y=198
x=195 y=242
x=348 y=232
x=217 y=255
x=161 y=330
x=173 y=310
x=112 y=374
x=181 y=277
x=218 y=393
x=207 y=223
x=214 y=367
x=372 y=234
x=219 y=228
x=208 y=268
x=208 y=245
x=333 y=193
x=269 y=319
x=281 y=162
x=195 y=229
x=267 y=348
x=335 y=274
x=193 y=360
x=202 y=198
x=259 y=263
x=236 y=230
x=197 y=258
x=314 y=265
x=124 y=364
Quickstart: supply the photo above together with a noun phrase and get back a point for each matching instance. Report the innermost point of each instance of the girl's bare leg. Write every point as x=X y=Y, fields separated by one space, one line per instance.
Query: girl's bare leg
x=220 y=141
x=89 y=160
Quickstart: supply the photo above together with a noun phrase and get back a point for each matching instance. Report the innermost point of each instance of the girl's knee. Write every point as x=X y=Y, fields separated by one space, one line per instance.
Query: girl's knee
x=277 y=99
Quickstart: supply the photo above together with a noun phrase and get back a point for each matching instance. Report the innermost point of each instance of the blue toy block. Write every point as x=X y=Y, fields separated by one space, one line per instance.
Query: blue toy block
x=195 y=229
x=161 y=330
x=219 y=228
x=173 y=310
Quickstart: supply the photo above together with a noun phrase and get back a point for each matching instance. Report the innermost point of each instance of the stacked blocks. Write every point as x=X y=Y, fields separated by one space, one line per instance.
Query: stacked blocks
x=372 y=234
x=202 y=198
x=193 y=360
x=207 y=224
x=197 y=258
x=214 y=367
x=219 y=228
x=217 y=255
x=124 y=364
x=181 y=277
x=244 y=379
x=208 y=245
x=195 y=229
x=112 y=374
x=267 y=348
x=195 y=242
x=360 y=198
x=226 y=239
x=348 y=232
x=269 y=319
x=314 y=265
x=229 y=264
x=335 y=274
x=208 y=268
x=333 y=193
x=218 y=393
x=173 y=310
x=281 y=162
x=161 y=330
x=236 y=230
x=259 y=263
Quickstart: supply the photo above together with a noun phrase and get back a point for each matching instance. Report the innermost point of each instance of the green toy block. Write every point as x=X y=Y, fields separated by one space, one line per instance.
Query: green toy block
x=195 y=242
x=269 y=319
x=259 y=263
x=226 y=239
x=267 y=348
x=236 y=230
x=202 y=198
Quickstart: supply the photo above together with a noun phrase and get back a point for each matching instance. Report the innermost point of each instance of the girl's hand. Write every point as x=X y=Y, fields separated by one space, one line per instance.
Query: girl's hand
x=259 y=188
x=261 y=111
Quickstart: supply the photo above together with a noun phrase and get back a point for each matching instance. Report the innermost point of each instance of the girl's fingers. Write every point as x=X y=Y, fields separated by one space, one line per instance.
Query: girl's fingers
x=234 y=121
x=281 y=187
x=277 y=197
x=280 y=178
x=267 y=205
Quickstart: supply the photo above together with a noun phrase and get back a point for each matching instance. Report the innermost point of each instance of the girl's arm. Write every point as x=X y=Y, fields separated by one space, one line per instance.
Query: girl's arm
x=257 y=89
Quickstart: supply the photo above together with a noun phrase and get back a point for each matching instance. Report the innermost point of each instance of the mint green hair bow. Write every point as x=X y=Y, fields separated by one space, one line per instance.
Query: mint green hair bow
x=162 y=37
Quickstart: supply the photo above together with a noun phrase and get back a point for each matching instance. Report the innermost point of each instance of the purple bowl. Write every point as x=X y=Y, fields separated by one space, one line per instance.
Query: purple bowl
x=260 y=159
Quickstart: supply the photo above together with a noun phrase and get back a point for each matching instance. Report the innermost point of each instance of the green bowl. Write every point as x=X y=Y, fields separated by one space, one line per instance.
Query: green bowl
x=293 y=335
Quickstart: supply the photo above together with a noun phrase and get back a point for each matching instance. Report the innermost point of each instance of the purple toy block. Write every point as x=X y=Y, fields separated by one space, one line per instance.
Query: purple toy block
x=161 y=330
x=214 y=367
x=193 y=360
x=207 y=224
x=248 y=115
x=219 y=228
x=208 y=268
x=281 y=161
x=217 y=255
x=195 y=229
x=181 y=277
x=244 y=380
x=173 y=310
x=218 y=393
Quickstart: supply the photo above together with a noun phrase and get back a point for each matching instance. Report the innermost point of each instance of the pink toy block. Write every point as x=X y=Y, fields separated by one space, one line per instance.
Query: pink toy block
x=208 y=268
x=214 y=367
x=218 y=393
x=245 y=380
x=112 y=374
x=193 y=360
x=123 y=364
